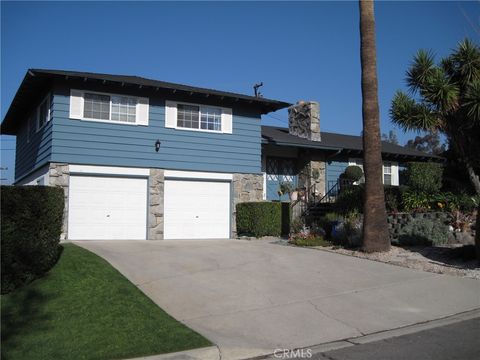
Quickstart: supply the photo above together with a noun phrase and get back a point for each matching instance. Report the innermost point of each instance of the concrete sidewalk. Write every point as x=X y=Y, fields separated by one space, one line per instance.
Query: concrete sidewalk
x=252 y=297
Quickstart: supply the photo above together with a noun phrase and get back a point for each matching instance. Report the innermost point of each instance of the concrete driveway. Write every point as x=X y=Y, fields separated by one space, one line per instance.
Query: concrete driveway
x=252 y=297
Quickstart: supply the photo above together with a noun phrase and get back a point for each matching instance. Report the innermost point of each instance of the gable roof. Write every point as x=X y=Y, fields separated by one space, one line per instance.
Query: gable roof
x=346 y=144
x=36 y=79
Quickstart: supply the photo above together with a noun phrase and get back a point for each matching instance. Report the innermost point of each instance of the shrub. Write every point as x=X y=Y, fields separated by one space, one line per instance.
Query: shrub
x=424 y=177
x=31 y=226
x=310 y=240
x=445 y=201
x=422 y=231
x=348 y=232
x=327 y=222
x=393 y=198
x=350 y=200
x=260 y=218
x=467 y=203
x=296 y=225
x=353 y=173
x=415 y=200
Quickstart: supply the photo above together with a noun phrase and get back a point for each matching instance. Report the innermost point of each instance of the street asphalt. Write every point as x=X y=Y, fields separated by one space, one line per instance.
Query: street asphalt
x=455 y=341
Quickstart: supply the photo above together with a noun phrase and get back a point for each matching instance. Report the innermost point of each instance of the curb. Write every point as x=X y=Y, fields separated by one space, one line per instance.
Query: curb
x=382 y=335
x=207 y=353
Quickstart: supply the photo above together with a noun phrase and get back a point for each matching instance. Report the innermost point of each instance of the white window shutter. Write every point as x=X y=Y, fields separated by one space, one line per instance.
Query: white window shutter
x=142 y=111
x=227 y=119
x=395 y=175
x=170 y=114
x=76 y=104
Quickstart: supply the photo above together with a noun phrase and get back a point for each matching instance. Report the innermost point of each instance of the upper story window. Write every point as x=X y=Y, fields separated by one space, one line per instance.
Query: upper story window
x=211 y=118
x=106 y=107
x=94 y=106
x=43 y=112
x=387 y=173
x=124 y=108
x=188 y=116
x=198 y=117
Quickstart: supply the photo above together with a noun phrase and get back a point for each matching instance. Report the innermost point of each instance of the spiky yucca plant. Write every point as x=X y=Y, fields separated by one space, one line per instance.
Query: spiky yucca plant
x=445 y=97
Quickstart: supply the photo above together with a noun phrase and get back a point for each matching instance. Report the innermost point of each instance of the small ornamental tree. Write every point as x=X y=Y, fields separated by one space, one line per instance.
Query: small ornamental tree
x=353 y=173
x=445 y=97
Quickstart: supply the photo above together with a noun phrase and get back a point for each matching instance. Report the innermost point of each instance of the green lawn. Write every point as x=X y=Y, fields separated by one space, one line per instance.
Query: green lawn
x=85 y=309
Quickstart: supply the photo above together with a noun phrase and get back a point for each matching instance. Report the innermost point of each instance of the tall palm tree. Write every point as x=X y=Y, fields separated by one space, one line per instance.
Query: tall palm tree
x=375 y=231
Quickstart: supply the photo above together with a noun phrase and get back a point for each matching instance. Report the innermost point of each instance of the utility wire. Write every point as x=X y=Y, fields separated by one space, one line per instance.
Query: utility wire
x=279 y=119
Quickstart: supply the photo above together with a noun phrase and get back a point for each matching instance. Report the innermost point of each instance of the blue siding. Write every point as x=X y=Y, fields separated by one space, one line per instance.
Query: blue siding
x=88 y=142
x=334 y=169
x=32 y=155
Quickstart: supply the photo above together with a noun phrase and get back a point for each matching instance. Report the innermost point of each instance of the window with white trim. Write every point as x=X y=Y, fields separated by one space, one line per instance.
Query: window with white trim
x=96 y=106
x=387 y=173
x=199 y=117
x=43 y=112
x=124 y=108
x=210 y=118
x=106 y=107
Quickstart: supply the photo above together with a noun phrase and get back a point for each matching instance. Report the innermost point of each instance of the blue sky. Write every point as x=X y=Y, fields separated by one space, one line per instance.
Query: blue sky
x=299 y=50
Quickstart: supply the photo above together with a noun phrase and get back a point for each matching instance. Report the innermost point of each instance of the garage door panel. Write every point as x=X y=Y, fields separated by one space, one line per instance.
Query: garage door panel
x=107 y=208
x=196 y=209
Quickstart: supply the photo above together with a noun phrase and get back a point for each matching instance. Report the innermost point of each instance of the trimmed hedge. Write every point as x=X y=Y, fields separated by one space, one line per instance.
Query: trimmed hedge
x=353 y=173
x=263 y=218
x=350 y=200
x=424 y=177
x=31 y=225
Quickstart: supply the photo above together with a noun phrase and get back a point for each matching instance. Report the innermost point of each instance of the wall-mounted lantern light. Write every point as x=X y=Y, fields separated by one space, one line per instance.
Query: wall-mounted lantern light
x=157 y=145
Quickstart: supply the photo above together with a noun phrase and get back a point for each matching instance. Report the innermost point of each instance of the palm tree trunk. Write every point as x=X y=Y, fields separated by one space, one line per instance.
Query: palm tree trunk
x=474 y=178
x=375 y=231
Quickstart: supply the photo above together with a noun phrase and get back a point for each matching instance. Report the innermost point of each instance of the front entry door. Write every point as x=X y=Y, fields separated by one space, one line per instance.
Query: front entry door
x=280 y=170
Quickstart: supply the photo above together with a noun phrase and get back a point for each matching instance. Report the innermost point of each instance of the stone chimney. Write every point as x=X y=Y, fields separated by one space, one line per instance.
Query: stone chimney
x=304 y=120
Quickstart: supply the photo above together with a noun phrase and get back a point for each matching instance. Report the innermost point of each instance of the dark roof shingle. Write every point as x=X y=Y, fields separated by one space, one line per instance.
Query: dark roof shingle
x=336 y=142
x=35 y=81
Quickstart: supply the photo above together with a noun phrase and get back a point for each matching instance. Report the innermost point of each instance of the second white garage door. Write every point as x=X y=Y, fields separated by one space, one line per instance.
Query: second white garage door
x=197 y=209
x=107 y=208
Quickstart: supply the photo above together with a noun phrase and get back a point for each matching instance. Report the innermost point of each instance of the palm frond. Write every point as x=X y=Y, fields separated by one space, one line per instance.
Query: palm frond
x=420 y=70
x=412 y=116
x=471 y=103
x=440 y=92
x=465 y=62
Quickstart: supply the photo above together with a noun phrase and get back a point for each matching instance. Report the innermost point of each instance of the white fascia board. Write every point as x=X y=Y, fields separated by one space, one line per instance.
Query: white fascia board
x=197 y=175
x=108 y=170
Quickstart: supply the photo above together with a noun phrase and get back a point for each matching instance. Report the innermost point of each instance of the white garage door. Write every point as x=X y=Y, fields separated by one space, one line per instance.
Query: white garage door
x=197 y=209
x=107 y=208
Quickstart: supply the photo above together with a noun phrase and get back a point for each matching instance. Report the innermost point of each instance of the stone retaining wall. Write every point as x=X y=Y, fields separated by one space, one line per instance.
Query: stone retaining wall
x=398 y=221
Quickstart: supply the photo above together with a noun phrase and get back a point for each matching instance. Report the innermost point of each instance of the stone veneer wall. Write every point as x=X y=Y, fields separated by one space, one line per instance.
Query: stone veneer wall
x=59 y=175
x=318 y=165
x=155 y=206
x=396 y=222
x=304 y=120
x=246 y=188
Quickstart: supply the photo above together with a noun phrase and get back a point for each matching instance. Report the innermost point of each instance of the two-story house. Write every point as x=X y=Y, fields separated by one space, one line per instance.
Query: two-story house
x=146 y=159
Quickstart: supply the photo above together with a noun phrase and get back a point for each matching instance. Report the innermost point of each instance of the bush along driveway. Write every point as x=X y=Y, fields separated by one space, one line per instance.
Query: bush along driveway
x=85 y=309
